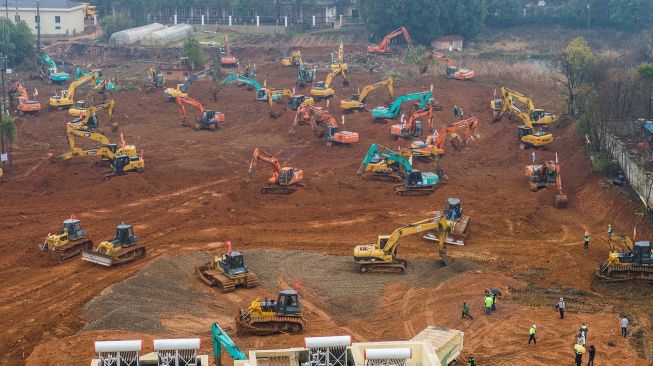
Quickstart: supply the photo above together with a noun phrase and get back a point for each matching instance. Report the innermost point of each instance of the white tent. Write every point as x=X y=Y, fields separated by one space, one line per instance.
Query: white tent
x=169 y=35
x=134 y=35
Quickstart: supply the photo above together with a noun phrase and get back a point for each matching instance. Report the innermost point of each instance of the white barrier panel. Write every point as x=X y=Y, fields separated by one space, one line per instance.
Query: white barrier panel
x=327 y=342
x=177 y=344
x=118 y=346
x=388 y=354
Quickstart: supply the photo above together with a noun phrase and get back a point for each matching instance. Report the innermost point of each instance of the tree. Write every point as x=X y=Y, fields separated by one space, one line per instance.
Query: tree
x=194 y=52
x=645 y=73
x=113 y=24
x=17 y=44
x=576 y=61
x=504 y=12
x=8 y=131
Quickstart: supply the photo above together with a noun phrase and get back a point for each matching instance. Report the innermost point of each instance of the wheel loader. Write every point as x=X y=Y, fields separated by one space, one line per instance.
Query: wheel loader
x=68 y=242
x=227 y=272
x=270 y=317
x=456 y=221
x=121 y=249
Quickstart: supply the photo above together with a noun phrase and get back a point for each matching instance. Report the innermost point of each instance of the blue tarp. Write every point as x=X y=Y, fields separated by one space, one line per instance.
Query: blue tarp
x=649 y=126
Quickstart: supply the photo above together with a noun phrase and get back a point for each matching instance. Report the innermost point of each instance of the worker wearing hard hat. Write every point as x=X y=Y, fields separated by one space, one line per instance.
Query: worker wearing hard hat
x=586 y=240
x=532 y=335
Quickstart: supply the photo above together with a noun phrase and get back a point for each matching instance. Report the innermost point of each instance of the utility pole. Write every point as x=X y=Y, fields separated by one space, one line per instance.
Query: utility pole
x=588 y=17
x=3 y=59
x=38 y=28
x=7 y=9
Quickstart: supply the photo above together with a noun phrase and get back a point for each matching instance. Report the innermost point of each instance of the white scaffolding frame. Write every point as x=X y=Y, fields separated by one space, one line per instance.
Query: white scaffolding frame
x=122 y=358
x=327 y=356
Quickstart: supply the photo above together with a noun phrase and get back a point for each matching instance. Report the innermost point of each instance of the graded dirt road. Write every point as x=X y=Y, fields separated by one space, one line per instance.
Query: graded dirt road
x=195 y=194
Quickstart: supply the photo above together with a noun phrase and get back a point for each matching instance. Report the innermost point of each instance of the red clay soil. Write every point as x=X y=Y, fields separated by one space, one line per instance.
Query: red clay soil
x=195 y=191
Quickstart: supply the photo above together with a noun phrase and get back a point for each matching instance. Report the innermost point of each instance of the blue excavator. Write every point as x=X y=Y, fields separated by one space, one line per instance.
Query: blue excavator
x=222 y=340
x=416 y=183
x=423 y=100
x=261 y=92
x=52 y=72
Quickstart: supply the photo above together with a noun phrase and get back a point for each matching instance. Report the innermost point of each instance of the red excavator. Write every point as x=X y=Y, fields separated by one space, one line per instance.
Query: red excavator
x=208 y=119
x=226 y=59
x=433 y=145
x=383 y=48
x=414 y=127
x=25 y=105
x=282 y=180
x=453 y=72
x=323 y=125
x=547 y=174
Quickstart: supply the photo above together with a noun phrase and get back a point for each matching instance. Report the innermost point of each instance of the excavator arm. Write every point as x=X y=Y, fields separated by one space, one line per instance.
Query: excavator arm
x=419 y=114
x=70 y=93
x=390 y=246
x=388 y=80
x=260 y=155
x=383 y=151
x=382 y=47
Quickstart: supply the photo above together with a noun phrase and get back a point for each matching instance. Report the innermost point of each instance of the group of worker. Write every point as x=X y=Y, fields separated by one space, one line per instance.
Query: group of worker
x=489 y=304
x=586 y=237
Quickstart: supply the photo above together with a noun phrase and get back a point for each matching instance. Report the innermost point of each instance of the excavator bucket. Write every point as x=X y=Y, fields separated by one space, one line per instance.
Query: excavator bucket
x=561 y=200
x=456 y=142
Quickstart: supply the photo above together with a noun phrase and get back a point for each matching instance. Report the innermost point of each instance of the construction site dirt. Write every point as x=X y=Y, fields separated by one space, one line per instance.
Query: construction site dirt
x=195 y=194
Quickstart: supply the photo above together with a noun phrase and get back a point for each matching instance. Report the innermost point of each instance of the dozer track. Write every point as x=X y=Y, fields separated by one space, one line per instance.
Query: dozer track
x=402 y=190
x=70 y=250
x=125 y=255
x=215 y=278
x=398 y=267
x=624 y=272
x=268 y=325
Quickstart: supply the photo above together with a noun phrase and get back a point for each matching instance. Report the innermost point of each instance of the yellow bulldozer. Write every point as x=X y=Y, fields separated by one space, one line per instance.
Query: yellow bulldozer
x=69 y=241
x=227 y=272
x=636 y=262
x=121 y=249
x=457 y=223
x=270 y=317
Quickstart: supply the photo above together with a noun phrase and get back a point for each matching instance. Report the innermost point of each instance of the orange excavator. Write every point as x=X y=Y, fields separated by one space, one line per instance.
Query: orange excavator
x=25 y=105
x=544 y=175
x=208 y=119
x=433 y=145
x=453 y=72
x=226 y=59
x=414 y=127
x=324 y=125
x=282 y=180
x=383 y=48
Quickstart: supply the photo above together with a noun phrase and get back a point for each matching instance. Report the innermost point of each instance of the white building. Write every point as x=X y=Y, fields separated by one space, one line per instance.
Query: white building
x=58 y=17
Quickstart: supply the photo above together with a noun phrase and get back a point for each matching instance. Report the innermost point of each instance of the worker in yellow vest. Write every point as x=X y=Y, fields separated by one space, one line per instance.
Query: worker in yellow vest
x=532 y=335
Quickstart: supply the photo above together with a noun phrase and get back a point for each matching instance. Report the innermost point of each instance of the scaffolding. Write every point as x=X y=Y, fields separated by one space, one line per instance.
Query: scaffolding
x=118 y=353
x=327 y=351
x=177 y=352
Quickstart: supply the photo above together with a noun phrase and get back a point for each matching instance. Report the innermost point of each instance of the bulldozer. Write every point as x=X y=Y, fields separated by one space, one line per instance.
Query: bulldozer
x=544 y=175
x=635 y=263
x=69 y=241
x=456 y=221
x=227 y=272
x=270 y=317
x=121 y=249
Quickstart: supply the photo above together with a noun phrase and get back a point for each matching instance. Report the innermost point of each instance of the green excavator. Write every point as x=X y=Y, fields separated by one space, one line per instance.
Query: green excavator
x=423 y=100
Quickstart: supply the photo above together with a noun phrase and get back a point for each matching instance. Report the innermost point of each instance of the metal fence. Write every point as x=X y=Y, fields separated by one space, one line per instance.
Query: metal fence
x=306 y=22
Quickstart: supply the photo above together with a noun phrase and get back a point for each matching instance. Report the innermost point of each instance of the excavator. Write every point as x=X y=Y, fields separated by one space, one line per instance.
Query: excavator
x=339 y=61
x=208 y=119
x=544 y=175
x=90 y=11
x=261 y=92
x=416 y=183
x=154 y=80
x=123 y=248
x=66 y=98
x=425 y=100
x=324 y=125
x=295 y=59
x=433 y=145
x=226 y=59
x=453 y=72
x=413 y=128
x=221 y=340
x=305 y=76
x=526 y=133
x=358 y=100
x=69 y=241
x=227 y=272
x=457 y=223
x=383 y=47
x=25 y=104
x=81 y=107
x=382 y=256
x=270 y=317
x=53 y=74
x=282 y=180
x=636 y=263
x=295 y=101
x=384 y=169
x=182 y=89
x=101 y=84
x=322 y=89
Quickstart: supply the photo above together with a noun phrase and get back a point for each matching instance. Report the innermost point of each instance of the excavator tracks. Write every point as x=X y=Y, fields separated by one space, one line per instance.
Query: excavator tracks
x=402 y=190
x=384 y=177
x=71 y=249
x=397 y=267
x=268 y=325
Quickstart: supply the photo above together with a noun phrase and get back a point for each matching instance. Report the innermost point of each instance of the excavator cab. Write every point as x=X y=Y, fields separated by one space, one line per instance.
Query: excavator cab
x=451 y=71
x=537 y=114
x=453 y=209
x=233 y=264
x=286 y=176
x=295 y=101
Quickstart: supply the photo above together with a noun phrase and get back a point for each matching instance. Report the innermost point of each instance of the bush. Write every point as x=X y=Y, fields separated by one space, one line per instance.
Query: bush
x=605 y=164
x=193 y=50
x=416 y=55
x=113 y=24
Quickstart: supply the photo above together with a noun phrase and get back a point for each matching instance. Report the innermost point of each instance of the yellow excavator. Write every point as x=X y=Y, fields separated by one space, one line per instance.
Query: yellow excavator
x=382 y=256
x=295 y=59
x=66 y=97
x=295 y=101
x=531 y=118
x=82 y=107
x=322 y=89
x=339 y=61
x=357 y=101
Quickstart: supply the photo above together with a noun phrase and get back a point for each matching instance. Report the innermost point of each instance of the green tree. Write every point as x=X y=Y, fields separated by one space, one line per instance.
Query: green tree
x=630 y=14
x=645 y=73
x=8 y=132
x=17 y=44
x=504 y=12
x=576 y=62
x=194 y=52
x=113 y=24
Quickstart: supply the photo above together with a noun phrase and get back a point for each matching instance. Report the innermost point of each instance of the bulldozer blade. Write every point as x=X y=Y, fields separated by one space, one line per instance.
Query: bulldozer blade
x=448 y=240
x=97 y=258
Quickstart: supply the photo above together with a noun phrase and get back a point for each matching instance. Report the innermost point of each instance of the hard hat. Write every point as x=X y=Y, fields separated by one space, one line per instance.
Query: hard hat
x=586 y=232
x=534 y=326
